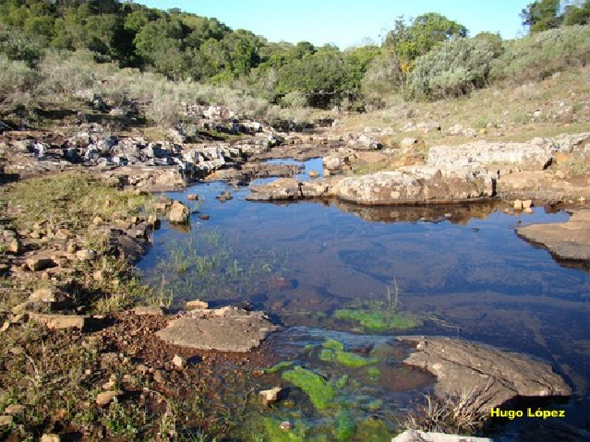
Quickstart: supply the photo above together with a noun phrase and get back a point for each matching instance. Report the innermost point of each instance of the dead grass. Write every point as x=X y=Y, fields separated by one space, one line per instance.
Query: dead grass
x=507 y=112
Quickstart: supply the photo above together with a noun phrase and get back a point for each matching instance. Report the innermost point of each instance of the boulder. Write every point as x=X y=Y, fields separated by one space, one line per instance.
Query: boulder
x=411 y=185
x=487 y=376
x=225 y=329
x=568 y=241
x=179 y=213
x=281 y=189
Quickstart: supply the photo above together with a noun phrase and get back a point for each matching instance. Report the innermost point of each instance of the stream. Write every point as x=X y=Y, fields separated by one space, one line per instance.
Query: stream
x=456 y=270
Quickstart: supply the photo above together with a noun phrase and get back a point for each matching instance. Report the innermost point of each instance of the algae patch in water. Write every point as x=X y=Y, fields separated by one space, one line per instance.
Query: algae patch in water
x=333 y=351
x=276 y=434
x=345 y=426
x=320 y=393
x=278 y=367
x=377 y=320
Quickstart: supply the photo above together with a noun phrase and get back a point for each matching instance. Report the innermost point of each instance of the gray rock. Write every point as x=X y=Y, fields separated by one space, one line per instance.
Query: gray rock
x=414 y=185
x=104 y=399
x=569 y=240
x=150 y=310
x=279 y=190
x=422 y=436
x=488 y=376
x=225 y=329
x=179 y=213
x=58 y=322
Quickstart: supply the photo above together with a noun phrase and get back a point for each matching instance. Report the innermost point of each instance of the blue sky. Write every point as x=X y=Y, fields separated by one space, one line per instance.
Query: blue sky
x=347 y=22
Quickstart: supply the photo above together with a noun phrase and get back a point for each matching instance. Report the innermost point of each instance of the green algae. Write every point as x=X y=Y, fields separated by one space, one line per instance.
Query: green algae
x=345 y=426
x=373 y=431
x=333 y=351
x=278 y=367
x=320 y=393
x=373 y=373
x=274 y=432
x=377 y=321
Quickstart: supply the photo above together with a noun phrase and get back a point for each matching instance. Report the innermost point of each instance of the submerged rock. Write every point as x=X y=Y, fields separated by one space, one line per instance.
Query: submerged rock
x=486 y=376
x=569 y=240
x=224 y=329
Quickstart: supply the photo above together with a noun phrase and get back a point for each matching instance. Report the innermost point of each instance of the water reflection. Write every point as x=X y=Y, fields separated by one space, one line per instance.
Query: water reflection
x=461 y=269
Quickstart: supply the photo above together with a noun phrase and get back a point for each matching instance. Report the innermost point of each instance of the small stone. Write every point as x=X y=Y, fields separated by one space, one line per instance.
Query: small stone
x=197 y=305
x=97 y=220
x=313 y=174
x=179 y=362
x=160 y=376
x=63 y=234
x=142 y=369
x=58 y=322
x=518 y=206
x=71 y=249
x=179 y=213
x=153 y=221
x=5 y=326
x=15 y=410
x=104 y=399
x=6 y=421
x=85 y=255
x=527 y=204
x=150 y=310
x=270 y=396
x=14 y=247
x=50 y=438
x=286 y=426
x=109 y=385
x=528 y=210
x=192 y=197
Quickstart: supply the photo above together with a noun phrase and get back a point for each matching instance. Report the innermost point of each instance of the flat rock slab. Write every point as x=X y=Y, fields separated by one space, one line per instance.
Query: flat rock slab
x=422 y=436
x=486 y=376
x=226 y=329
x=568 y=241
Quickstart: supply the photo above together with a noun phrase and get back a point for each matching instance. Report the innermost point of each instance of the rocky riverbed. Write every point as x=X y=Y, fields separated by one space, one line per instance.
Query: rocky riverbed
x=70 y=288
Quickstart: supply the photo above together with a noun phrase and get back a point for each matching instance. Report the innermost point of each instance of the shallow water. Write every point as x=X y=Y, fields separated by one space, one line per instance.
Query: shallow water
x=461 y=270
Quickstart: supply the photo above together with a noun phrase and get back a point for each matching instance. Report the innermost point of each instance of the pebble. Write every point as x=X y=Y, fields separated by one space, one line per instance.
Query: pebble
x=179 y=362
x=104 y=399
x=286 y=426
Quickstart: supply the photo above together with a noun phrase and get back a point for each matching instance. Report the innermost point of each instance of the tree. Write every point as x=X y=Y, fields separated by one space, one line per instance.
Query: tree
x=577 y=15
x=426 y=31
x=541 y=15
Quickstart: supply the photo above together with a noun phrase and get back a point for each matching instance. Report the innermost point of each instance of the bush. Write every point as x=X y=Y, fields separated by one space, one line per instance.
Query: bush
x=452 y=69
x=16 y=82
x=15 y=45
x=542 y=54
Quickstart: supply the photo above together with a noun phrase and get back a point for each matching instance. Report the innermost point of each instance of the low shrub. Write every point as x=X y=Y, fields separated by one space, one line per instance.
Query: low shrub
x=540 y=55
x=452 y=69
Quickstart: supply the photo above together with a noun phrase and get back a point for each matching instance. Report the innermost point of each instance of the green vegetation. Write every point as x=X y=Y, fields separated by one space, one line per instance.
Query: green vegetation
x=377 y=320
x=320 y=392
x=543 y=15
x=345 y=426
x=275 y=433
x=278 y=367
x=333 y=351
x=428 y=57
